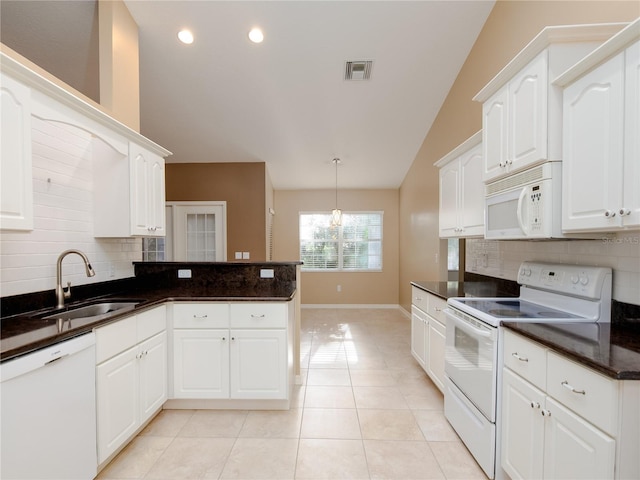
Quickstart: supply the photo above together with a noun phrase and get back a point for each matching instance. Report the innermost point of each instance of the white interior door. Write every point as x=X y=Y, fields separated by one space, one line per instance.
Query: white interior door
x=199 y=233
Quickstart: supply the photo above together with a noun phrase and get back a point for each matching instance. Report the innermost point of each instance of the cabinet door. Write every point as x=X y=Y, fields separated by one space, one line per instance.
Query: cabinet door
x=449 y=199
x=258 y=364
x=419 y=332
x=157 y=217
x=528 y=115
x=630 y=209
x=435 y=352
x=575 y=449
x=117 y=401
x=472 y=192
x=16 y=182
x=147 y=192
x=592 y=172
x=522 y=428
x=494 y=135
x=201 y=363
x=153 y=374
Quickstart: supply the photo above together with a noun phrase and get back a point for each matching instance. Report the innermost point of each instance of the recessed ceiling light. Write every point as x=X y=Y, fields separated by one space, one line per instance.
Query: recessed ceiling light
x=256 y=36
x=185 y=36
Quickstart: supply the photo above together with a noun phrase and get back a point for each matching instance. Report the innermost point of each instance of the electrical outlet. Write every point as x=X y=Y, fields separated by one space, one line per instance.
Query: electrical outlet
x=266 y=273
x=339 y=288
x=184 y=273
x=112 y=269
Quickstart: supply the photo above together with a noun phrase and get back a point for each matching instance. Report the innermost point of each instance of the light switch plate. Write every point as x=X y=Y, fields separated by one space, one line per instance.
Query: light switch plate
x=245 y=255
x=238 y=255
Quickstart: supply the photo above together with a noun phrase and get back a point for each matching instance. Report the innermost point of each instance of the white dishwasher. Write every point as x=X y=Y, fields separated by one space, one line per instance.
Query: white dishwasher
x=48 y=413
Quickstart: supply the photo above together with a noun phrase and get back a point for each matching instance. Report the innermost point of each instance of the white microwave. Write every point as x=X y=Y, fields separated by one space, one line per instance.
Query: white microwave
x=525 y=205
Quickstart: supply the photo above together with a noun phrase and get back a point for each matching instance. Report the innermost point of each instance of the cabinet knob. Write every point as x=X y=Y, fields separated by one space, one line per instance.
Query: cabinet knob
x=545 y=413
x=517 y=356
x=566 y=385
x=609 y=214
x=224 y=338
x=535 y=405
x=624 y=211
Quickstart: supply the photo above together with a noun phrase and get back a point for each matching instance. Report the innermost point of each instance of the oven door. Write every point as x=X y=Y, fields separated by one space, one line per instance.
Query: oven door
x=471 y=357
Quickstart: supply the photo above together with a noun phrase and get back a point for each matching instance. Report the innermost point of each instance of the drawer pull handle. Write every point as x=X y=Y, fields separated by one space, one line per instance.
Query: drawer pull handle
x=566 y=385
x=438 y=309
x=200 y=316
x=257 y=316
x=519 y=357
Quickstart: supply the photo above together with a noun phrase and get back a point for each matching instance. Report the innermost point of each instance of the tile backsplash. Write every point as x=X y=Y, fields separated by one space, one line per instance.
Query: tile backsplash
x=63 y=219
x=621 y=252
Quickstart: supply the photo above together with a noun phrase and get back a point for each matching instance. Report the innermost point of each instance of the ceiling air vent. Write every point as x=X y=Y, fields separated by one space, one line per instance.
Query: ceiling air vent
x=358 y=70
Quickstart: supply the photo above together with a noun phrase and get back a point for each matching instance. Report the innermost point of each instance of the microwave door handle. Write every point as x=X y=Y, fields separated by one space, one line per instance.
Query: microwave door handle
x=519 y=212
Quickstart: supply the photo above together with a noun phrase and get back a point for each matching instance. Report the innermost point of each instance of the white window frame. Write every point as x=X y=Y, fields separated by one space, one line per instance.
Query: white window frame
x=340 y=242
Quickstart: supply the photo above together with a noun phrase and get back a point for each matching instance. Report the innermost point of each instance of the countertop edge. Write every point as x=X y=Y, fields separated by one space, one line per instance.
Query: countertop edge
x=616 y=374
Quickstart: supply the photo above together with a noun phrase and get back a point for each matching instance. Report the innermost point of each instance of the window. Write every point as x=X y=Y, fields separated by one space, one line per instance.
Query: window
x=354 y=246
x=153 y=249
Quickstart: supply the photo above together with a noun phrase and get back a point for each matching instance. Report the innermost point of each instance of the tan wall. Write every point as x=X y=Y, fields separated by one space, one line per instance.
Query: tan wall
x=119 y=63
x=357 y=287
x=241 y=185
x=510 y=26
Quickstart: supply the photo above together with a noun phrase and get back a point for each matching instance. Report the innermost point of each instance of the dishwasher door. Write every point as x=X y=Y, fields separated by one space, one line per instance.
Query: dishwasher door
x=48 y=413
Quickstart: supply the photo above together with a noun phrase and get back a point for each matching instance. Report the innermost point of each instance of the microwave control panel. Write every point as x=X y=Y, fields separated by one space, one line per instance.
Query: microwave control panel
x=535 y=211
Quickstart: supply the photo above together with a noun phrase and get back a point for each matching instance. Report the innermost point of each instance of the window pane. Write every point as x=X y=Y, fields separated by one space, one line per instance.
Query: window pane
x=356 y=245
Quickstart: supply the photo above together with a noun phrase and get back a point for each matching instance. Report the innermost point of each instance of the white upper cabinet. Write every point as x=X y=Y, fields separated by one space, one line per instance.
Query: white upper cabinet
x=462 y=190
x=147 y=192
x=128 y=169
x=601 y=167
x=522 y=110
x=16 y=189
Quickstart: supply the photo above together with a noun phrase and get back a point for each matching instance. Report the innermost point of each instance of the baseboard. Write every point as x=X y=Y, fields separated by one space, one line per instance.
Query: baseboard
x=352 y=305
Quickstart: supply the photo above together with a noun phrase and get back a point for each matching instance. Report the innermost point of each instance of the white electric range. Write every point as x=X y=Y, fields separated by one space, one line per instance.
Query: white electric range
x=549 y=293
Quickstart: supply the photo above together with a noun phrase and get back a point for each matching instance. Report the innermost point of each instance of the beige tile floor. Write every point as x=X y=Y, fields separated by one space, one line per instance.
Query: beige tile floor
x=366 y=410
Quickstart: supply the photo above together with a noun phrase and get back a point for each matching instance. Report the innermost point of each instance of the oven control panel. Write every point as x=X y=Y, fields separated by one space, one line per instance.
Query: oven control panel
x=577 y=280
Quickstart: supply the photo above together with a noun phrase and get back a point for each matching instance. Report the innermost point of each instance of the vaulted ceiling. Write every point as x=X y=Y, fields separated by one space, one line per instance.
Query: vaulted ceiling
x=284 y=101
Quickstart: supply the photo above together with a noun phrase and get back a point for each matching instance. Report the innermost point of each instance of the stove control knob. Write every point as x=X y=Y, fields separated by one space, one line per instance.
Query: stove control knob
x=574 y=279
x=526 y=272
x=584 y=280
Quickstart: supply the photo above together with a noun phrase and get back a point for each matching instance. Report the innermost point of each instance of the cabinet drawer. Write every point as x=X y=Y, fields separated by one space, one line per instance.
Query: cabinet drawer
x=151 y=322
x=525 y=358
x=115 y=338
x=420 y=298
x=201 y=315
x=436 y=308
x=589 y=394
x=258 y=315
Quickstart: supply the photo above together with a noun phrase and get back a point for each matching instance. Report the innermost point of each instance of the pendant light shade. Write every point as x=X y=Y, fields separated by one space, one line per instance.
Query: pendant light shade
x=336 y=214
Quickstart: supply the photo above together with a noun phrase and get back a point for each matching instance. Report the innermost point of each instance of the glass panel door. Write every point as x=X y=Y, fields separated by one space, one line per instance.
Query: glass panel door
x=199 y=233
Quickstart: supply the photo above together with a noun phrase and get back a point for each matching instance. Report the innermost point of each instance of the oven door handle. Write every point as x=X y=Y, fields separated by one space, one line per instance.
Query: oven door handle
x=484 y=332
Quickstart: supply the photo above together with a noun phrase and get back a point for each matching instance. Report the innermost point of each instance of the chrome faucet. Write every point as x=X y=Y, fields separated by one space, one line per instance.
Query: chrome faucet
x=61 y=293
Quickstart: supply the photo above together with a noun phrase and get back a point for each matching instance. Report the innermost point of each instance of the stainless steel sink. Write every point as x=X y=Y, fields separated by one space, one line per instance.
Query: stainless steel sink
x=103 y=310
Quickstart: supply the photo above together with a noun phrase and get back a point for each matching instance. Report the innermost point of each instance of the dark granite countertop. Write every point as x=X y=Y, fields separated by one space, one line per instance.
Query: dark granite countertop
x=23 y=330
x=479 y=288
x=612 y=349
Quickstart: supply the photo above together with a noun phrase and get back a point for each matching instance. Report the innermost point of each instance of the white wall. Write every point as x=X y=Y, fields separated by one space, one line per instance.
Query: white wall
x=621 y=253
x=63 y=211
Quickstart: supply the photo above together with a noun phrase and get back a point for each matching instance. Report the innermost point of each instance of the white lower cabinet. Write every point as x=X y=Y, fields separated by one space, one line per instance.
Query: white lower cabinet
x=201 y=363
x=428 y=330
x=561 y=420
x=131 y=377
x=231 y=351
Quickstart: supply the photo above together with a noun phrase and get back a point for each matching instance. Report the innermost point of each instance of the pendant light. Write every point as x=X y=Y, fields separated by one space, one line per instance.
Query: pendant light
x=336 y=214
